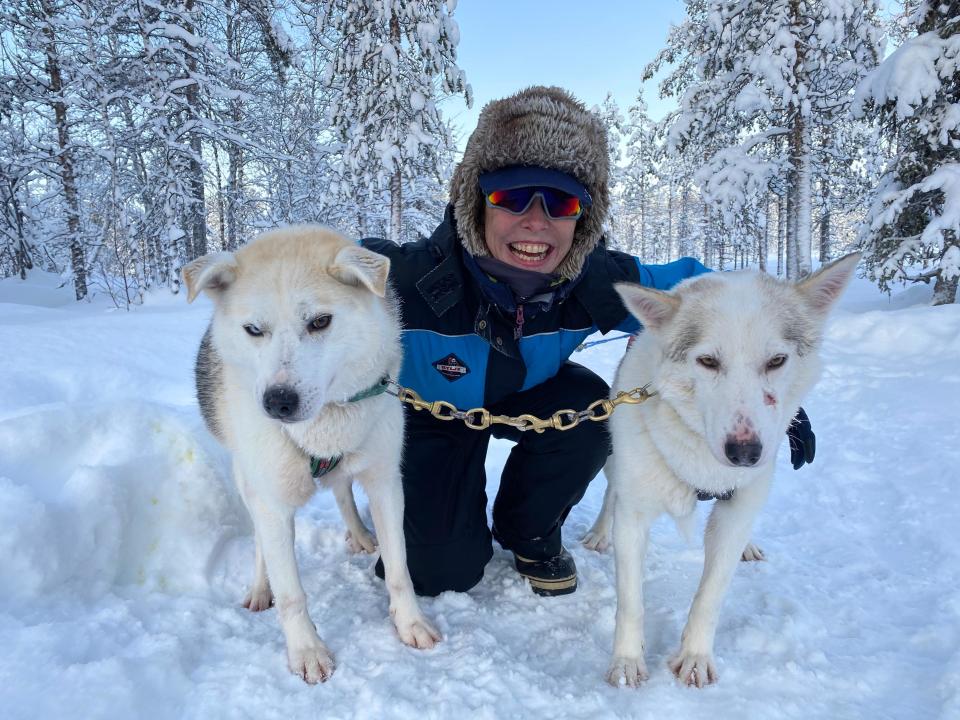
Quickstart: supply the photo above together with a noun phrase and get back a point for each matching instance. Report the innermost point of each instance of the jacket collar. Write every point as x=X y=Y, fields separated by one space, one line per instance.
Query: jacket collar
x=442 y=287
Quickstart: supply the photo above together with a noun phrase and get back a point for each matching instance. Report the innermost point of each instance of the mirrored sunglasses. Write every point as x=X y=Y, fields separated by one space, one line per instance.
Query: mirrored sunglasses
x=557 y=204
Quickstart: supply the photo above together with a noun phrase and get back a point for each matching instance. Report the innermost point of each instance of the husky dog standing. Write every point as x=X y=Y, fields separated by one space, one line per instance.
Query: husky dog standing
x=304 y=329
x=729 y=355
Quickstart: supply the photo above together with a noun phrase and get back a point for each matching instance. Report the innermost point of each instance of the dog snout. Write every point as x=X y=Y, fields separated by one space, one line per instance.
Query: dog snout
x=281 y=402
x=743 y=453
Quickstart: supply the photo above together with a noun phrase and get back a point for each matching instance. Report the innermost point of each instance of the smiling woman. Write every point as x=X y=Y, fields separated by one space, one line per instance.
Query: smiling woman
x=532 y=241
x=493 y=304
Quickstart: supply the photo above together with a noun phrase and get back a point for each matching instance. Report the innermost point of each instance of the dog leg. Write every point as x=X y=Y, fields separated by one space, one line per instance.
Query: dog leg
x=259 y=597
x=307 y=656
x=384 y=488
x=727 y=533
x=631 y=529
x=598 y=537
x=359 y=539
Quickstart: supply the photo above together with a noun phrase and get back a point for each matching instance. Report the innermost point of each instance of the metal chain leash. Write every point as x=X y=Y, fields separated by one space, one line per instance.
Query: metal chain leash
x=481 y=418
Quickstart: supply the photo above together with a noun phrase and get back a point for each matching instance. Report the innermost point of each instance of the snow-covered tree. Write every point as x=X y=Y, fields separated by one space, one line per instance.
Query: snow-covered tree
x=755 y=80
x=638 y=176
x=614 y=123
x=912 y=230
x=40 y=67
x=392 y=62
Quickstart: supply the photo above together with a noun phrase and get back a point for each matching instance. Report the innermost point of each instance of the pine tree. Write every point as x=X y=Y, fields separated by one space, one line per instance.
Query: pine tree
x=392 y=62
x=614 y=123
x=912 y=231
x=639 y=176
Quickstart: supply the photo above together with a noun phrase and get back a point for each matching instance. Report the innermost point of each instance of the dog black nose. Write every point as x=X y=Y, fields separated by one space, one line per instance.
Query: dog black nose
x=743 y=454
x=281 y=402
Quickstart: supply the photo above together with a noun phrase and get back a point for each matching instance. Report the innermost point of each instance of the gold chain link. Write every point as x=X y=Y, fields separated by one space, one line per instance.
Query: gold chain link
x=481 y=418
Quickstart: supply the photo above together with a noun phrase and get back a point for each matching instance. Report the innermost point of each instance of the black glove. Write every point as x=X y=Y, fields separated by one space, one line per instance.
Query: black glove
x=803 y=443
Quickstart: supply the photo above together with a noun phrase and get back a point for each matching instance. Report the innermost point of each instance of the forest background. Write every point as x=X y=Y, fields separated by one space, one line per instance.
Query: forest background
x=137 y=135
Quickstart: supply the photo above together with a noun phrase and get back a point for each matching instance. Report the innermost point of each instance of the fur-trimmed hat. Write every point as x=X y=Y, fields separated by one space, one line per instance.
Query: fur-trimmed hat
x=544 y=126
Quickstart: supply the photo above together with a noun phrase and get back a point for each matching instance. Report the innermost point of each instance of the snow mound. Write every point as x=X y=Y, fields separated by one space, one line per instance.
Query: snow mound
x=115 y=494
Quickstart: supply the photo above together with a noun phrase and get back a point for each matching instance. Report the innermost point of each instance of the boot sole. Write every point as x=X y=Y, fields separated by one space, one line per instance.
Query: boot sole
x=545 y=587
x=550 y=588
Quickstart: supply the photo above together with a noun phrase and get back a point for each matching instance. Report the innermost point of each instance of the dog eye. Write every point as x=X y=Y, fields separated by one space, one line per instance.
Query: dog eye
x=320 y=322
x=708 y=361
x=776 y=361
x=253 y=330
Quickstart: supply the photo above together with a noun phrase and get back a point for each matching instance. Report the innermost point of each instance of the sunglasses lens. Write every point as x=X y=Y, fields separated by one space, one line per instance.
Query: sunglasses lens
x=560 y=204
x=557 y=203
x=515 y=200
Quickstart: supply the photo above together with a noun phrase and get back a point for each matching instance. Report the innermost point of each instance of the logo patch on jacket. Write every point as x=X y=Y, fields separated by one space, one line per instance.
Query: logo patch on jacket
x=451 y=367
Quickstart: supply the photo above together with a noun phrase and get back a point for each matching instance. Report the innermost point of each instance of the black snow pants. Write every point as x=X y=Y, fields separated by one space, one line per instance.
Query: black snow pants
x=546 y=474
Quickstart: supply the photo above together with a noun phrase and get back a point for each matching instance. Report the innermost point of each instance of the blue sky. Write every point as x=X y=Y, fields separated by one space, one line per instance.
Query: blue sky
x=587 y=48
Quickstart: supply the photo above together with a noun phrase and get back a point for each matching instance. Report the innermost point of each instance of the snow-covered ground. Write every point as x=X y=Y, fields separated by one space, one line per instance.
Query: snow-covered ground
x=125 y=552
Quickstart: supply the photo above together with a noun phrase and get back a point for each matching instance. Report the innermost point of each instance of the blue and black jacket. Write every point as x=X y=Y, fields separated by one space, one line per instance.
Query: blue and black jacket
x=463 y=347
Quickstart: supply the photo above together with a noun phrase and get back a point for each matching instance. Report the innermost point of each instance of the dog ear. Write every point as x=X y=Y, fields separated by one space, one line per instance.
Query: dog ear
x=822 y=289
x=213 y=273
x=355 y=264
x=653 y=308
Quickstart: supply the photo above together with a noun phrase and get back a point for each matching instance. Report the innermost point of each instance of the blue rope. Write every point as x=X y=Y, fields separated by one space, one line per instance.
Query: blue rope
x=584 y=346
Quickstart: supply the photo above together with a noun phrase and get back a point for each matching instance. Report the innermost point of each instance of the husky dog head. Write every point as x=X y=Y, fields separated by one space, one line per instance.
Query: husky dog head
x=301 y=313
x=733 y=353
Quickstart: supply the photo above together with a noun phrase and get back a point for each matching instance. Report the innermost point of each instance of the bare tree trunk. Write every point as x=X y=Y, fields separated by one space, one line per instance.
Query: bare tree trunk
x=233 y=192
x=707 y=244
x=764 y=243
x=790 y=246
x=804 y=210
x=396 y=193
x=945 y=289
x=78 y=259
x=220 y=209
x=643 y=217
x=234 y=153
x=197 y=212
x=197 y=209
x=801 y=219
x=683 y=233
x=15 y=218
x=825 y=236
x=781 y=232
x=669 y=256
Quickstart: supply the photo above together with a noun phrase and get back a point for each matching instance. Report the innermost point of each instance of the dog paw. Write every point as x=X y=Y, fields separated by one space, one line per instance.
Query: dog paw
x=259 y=598
x=752 y=553
x=694 y=668
x=627 y=672
x=361 y=542
x=419 y=633
x=596 y=540
x=313 y=662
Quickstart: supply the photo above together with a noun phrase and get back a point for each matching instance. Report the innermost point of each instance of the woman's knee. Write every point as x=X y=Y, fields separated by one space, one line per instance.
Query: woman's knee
x=457 y=565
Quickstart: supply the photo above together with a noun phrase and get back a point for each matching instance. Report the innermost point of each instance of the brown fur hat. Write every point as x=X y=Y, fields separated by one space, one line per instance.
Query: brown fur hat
x=544 y=126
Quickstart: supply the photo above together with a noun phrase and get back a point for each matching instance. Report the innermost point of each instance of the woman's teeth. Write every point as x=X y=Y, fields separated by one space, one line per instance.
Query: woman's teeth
x=530 y=251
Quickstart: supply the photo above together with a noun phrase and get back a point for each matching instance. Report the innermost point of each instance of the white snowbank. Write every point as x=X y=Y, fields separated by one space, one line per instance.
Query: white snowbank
x=124 y=552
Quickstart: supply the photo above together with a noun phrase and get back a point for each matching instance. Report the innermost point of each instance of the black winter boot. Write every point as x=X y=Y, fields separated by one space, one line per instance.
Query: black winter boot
x=554 y=576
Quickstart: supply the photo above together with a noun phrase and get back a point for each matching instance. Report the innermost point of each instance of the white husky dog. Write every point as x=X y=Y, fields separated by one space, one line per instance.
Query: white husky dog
x=303 y=330
x=730 y=355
